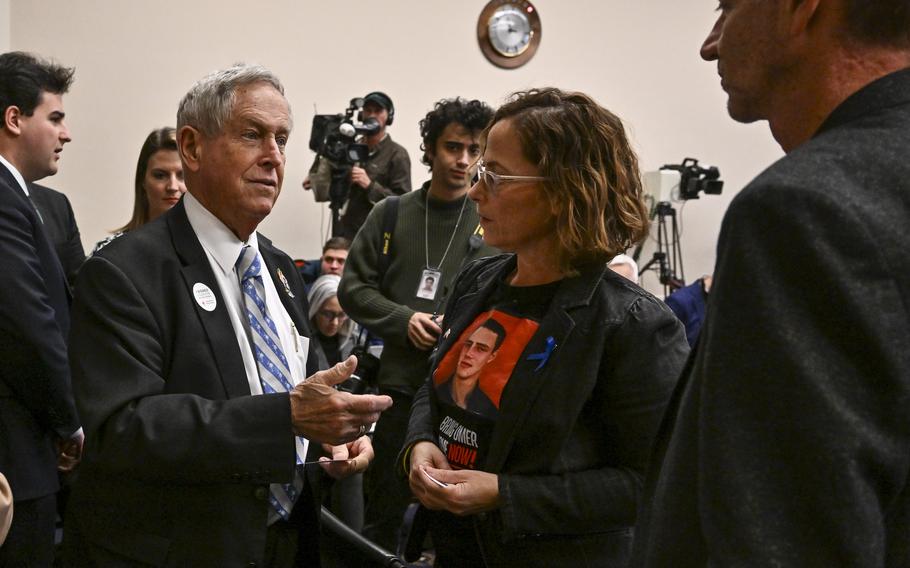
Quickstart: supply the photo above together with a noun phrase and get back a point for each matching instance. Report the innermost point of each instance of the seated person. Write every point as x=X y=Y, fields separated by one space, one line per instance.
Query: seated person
x=334 y=330
x=159 y=181
x=334 y=255
x=689 y=304
x=336 y=333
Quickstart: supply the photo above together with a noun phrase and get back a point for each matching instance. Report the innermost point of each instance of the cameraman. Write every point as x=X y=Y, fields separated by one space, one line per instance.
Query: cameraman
x=386 y=172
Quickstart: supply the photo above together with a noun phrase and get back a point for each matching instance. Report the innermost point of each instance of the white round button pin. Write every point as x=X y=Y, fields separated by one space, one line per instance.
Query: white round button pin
x=204 y=297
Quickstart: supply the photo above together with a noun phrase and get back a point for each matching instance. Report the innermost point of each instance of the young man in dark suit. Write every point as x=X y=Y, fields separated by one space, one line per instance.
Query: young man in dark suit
x=190 y=347
x=787 y=442
x=39 y=428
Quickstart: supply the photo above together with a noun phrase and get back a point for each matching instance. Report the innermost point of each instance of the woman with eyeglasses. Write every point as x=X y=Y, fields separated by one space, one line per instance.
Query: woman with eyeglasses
x=334 y=331
x=577 y=362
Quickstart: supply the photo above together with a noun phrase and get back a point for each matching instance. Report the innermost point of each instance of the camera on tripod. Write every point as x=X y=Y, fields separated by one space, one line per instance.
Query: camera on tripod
x=674 y=182
x=681 y=182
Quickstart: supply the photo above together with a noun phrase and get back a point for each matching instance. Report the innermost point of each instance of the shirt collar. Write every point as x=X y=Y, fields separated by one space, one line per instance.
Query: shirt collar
x=222 y=245
x=12 y=169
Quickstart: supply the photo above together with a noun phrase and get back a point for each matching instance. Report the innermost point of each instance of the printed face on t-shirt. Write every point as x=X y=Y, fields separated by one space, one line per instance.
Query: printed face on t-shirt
x=476 y=352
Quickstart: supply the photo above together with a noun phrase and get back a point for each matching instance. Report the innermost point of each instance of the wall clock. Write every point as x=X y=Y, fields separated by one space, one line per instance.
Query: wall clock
x=508 y=32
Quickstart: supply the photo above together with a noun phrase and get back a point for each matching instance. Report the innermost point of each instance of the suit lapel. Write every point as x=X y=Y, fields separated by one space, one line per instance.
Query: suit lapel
x=52 y=266
x=292 y=300
x=216 y=323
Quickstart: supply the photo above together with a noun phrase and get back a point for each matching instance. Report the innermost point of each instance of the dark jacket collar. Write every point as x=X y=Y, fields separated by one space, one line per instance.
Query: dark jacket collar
x=883 y=93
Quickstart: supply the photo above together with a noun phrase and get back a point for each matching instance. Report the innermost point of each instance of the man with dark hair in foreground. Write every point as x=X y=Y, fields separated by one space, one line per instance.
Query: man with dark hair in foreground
x=39 y=428
x=787 y=442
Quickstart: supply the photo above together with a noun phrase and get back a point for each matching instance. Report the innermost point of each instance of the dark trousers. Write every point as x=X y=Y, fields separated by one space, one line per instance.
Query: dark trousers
x=30 y=541
x=387 y=494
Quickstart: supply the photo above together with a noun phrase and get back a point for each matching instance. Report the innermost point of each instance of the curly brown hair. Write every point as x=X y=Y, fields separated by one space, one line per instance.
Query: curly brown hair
x=593 y=181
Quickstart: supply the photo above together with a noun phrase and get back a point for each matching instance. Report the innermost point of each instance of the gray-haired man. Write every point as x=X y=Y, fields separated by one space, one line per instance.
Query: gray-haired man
x=189 y=363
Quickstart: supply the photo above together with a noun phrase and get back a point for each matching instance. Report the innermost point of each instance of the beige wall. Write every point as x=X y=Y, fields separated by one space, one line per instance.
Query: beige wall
x=4 y=26
x=135 y=59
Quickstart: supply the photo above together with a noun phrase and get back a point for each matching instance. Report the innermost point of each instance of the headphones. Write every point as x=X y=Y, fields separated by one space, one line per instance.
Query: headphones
x=384 y=101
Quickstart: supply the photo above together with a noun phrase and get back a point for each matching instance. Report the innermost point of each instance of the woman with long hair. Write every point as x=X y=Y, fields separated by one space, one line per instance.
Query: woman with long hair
x=159 y=181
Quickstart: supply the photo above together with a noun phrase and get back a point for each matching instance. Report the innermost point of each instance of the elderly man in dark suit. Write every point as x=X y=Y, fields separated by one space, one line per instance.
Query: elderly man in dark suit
x=39 y=429
x=189 y=351
x=788 y=439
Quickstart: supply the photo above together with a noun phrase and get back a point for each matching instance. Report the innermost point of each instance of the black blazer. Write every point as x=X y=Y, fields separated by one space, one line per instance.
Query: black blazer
x=572 y=440
x=60 y=225
x=36 y=403
x=788 y=439
x=178 y=454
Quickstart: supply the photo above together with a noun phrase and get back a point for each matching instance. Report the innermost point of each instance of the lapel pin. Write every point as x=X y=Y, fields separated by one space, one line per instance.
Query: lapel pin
x=287 y=287
x=204 y=297
x=544 y=355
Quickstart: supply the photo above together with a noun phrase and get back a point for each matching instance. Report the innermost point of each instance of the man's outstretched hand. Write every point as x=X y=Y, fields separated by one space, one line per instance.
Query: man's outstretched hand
x=322 y=414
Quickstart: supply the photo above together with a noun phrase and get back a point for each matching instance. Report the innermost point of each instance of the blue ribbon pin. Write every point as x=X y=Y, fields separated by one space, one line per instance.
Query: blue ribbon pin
x=543 y=356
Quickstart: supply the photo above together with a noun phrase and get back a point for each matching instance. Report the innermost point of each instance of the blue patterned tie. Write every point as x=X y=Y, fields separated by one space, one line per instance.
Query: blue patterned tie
x=274 y=371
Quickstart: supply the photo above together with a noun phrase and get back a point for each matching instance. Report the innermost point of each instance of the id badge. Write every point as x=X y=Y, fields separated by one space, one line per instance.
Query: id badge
x=429 y=283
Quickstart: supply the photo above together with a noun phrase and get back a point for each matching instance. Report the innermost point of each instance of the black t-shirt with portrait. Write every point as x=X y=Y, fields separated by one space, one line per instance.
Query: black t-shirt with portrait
x=468 y=414
x=472 y=377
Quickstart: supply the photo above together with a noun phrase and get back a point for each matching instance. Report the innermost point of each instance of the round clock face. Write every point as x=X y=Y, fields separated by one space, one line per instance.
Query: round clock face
x=510 y=31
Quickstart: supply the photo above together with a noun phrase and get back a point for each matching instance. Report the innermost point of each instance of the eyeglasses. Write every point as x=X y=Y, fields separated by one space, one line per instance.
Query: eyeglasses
x=493 y=180
x=329 y=315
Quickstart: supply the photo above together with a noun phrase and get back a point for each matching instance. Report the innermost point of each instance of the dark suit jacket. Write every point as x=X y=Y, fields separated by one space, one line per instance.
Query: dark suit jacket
x=36 y=403
x=572 y=439
x=178 y=454
x=788 y=442
x=60 y=224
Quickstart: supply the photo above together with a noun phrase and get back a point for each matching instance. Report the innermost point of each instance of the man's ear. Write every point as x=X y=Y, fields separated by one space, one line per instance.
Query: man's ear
x=189 y=144
x=801 y=15
x=11 y=118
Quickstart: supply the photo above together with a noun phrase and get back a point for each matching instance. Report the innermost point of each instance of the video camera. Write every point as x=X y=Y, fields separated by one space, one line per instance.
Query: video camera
x=695 y=179
x=333 y=135
x=674 y=182
x=681 y=182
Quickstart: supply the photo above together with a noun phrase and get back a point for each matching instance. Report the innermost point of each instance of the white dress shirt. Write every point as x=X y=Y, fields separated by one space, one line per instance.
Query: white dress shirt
x=12 y=169
x=222 y=247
